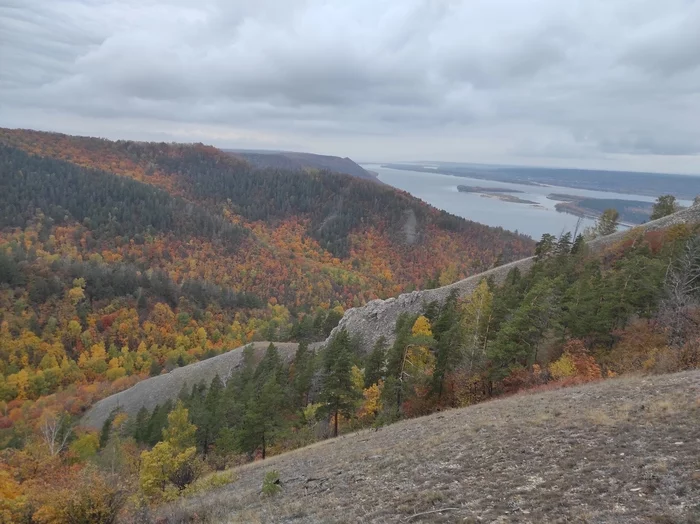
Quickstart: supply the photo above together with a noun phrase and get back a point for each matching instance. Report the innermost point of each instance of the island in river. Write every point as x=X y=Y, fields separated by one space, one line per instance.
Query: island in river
x=500 y=193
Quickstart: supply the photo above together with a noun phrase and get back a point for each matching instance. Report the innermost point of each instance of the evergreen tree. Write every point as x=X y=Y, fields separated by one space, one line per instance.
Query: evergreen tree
x=518 y=339
x=141 y=426
x=303 y=366
x=376 y=361
x=448 y=315
x=607 y=222
x=337 y=392
x=545 y=245
x=263 y=419
x=212 y=421
x=578 y=245
x=665 y=205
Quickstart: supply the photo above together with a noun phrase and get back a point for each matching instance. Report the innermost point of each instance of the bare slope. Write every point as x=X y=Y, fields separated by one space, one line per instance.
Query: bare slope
x=157 y=390
x=619 y=451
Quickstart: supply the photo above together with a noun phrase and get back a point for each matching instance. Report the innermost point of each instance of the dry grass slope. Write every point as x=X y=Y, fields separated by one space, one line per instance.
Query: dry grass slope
x=620 y=451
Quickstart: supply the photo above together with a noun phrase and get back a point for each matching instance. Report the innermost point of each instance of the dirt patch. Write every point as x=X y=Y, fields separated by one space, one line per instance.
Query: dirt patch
x=619 y=451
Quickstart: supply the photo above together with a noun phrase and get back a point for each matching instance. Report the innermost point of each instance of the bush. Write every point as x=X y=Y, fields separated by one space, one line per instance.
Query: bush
x=271 y=484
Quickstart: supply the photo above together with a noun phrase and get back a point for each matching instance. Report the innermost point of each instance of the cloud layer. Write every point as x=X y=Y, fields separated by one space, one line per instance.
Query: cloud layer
x=588 y=83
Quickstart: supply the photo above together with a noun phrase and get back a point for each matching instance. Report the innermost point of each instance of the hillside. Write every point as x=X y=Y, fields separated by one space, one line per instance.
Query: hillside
x=121 y=260
x=368 y=323
x=378 y=317
x=619 y=451
x=302 y=161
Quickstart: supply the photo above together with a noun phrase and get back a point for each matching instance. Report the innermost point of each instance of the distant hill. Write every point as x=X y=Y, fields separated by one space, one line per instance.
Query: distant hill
x=649 y=184
x=618 y=451
x=303 y=161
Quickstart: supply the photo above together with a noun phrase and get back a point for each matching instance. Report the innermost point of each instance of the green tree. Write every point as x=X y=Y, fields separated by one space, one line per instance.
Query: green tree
x=212 y=419
x=338 y=394
x=607 y=222
x=665 y=205
x=303 y=367
x=376 y=361
x=518 y=339
x=263 y=419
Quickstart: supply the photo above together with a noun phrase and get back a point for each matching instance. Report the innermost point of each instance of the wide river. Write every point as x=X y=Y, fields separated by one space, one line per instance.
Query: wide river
x=534 y=220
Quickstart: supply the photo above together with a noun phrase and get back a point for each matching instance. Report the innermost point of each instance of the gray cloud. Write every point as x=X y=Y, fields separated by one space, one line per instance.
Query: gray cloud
x=583 y=83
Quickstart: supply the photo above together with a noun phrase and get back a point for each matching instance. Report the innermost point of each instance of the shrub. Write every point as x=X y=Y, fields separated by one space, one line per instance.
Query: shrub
x=271 y=483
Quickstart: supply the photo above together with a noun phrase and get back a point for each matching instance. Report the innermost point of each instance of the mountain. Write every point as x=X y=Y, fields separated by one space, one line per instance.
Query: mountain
x=120 y=260
x=622 y=450
x=302 y=162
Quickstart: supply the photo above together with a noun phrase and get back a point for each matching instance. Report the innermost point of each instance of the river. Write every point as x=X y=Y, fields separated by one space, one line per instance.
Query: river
x=441 y=191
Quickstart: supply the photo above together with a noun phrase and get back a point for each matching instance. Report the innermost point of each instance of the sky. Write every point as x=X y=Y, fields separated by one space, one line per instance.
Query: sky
x=601 y=84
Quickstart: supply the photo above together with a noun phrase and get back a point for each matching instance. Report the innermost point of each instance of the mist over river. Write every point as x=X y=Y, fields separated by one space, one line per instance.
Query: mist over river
x=441 y=191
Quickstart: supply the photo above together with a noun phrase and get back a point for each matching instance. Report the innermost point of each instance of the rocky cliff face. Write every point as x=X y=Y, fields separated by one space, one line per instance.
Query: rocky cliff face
x=378 y=317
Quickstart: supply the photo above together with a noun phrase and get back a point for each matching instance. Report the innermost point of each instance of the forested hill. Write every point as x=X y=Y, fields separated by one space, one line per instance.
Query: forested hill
x=122 y=260
x=302 y=161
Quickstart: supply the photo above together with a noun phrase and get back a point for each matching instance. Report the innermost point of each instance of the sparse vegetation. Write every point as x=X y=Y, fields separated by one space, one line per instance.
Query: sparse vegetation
x=602 y=452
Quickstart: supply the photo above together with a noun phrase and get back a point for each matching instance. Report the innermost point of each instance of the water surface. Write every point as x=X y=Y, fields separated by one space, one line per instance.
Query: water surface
x=441 y=191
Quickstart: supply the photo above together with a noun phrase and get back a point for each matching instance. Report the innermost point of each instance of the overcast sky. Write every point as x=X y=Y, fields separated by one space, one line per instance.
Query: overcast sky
x=611 y=84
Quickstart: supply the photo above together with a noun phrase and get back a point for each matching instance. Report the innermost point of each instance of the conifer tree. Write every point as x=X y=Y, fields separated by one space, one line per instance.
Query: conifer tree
x=303 y=366
x=263 y=419
x=338 y=394
x=375 y=365
x=665 y=205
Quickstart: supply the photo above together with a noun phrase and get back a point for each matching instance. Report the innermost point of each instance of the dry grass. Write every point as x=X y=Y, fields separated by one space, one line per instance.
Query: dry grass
x=621 y=451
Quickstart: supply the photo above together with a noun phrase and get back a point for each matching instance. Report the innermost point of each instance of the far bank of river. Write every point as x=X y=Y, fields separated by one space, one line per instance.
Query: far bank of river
x=531 y=219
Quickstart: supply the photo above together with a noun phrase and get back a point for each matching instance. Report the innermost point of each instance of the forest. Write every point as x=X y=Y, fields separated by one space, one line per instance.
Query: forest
x=121 y=261
x=576 y=317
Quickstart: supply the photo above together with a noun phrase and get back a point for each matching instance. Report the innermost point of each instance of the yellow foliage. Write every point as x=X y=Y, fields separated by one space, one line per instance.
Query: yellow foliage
x=180 y=431
x=562 y=368
x=372 y=400
x=160 y=466
x=421 y=327
x=85 y=446
x=358 y=378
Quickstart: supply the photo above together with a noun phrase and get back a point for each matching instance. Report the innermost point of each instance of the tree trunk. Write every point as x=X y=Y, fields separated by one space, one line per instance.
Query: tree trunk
x=335 y=424
x=263 y=446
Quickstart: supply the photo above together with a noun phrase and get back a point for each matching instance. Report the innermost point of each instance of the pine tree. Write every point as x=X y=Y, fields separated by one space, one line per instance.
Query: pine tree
x=519 y=337
x=303 y=366
x=665 y=205
x=141 y=426
x=338 y=394
x=607 y=222
x=263 y=419
x=376 y=361
x=212 y=421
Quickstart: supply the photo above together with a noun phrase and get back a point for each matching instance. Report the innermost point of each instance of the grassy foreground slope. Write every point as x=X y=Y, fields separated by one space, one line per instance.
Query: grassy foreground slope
x=622 y=450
